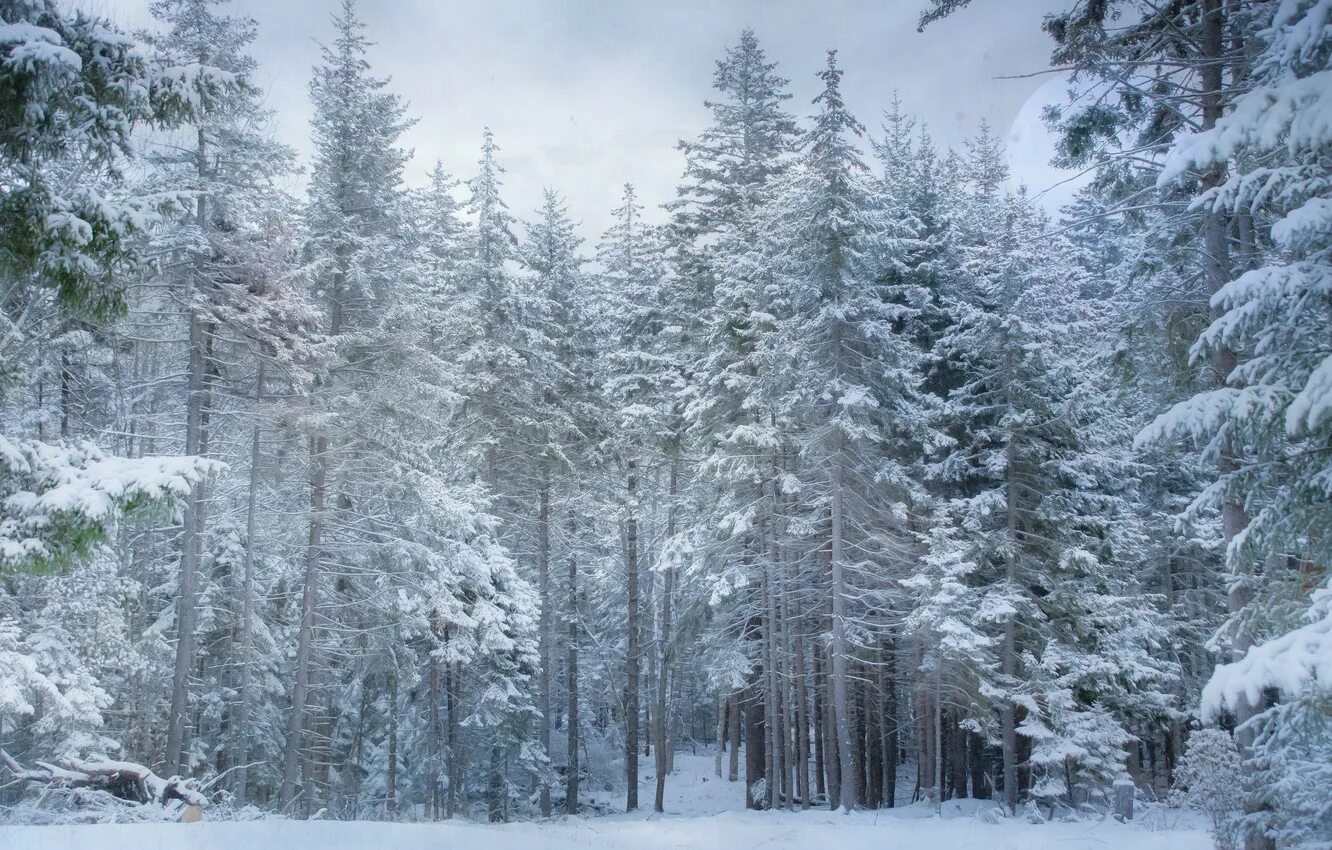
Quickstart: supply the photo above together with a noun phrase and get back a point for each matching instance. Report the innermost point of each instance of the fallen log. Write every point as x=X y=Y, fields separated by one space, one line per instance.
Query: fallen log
x=105 y=783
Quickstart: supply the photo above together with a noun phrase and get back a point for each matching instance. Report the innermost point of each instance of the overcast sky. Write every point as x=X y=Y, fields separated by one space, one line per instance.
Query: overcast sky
x=584 y=95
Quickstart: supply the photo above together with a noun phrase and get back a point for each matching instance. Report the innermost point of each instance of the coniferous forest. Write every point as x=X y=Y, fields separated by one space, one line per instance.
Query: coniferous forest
x=849 y=469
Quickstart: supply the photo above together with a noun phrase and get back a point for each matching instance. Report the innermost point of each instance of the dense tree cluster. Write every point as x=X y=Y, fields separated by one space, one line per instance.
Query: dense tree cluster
x=849 y=460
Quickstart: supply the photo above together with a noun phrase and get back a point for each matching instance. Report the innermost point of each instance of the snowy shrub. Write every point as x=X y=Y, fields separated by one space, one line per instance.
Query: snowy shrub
x=1208 y=779
x=1292 y=771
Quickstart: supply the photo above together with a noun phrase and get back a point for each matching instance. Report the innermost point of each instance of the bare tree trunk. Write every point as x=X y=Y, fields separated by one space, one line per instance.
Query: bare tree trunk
x=391 y=794
x=857 y=723
x=721 y=734
x=841 y=703
x=778 y=729
x=191 y=546
x=820 y=763
x=753 y=708
x=647 y=646
x=666 y=647
x=733 y=737
x=926 y=758
x=891 y=720
x=451 y=738
x=1009 y=660
x=247 y=600
x=291 y=770
x=801 y=713
x=771 y=712
x=571 y=777
x=980 y=774
x=543 y=587
x=432 y=739
x=957 y=754
x=870 y=706
x=631 y=708
x=832 y=765
x=495 y=792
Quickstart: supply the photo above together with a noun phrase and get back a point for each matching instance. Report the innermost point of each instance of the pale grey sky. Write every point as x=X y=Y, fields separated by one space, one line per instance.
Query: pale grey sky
x=584 y=96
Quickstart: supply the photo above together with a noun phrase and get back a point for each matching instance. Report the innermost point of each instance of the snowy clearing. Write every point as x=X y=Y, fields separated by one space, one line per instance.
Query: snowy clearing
x=701 y=815
x=732 y=830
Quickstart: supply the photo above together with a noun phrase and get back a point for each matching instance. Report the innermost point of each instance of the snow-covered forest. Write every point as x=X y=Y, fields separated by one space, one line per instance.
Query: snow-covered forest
x=848 y=471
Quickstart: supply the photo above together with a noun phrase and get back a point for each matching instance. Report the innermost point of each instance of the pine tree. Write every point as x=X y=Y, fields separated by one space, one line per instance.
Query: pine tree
x=354 y=194
x=858 y=371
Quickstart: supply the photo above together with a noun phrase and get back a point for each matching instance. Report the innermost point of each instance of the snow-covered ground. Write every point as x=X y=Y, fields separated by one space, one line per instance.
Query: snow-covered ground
x=703 y=813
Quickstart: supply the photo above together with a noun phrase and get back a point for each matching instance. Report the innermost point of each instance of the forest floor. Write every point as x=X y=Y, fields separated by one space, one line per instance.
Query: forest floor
x=702 y=813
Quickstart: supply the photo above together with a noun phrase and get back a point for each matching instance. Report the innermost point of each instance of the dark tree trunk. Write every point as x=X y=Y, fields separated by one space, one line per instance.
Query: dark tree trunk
x=754 y=743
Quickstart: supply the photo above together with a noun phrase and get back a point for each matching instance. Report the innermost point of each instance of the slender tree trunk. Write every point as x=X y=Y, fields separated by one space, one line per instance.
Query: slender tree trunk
x=721 y=734
x=247 y=600
x=495 y=791
x=648 y=647
x=319 y=458
x=571 y=776
x=891 y=720
x=391 y=793
x=841 y=702
x=832 y=746
x=631 y=708
x=801 y=713
x=451 y=738
x=665 y=638
x=191 y=545
x=820 y=762
x=543 y=586
x=771 y=710
x=291 y=770
x=754 y=744
x=857 y=723
x=957 y=754
x=1009 y=661
x=870 y=707
x=733 y=737
x=979 y=772
x=926 y=758
x=187 y=602
x=432 y=738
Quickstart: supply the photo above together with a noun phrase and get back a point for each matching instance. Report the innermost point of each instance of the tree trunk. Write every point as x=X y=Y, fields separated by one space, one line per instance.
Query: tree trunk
x=495 y=792
x=543 y=588
x=891 y=720
x=980 y=774
x=754 y=730
x=432 y=738
x=247 y=601
x=957 y=754
x=721 y=734
x=871 y=707
x=631 y=708
x=820 y=763
x=191 y=550
x=802 y=715
x=771 y=708
x=733 y=737
x=451 y=739
x=291 y=770
x=571 y=776
x=391 y=792
x=665 y=638
x=1009 y=662
x=841 y=702
x=857 y=723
